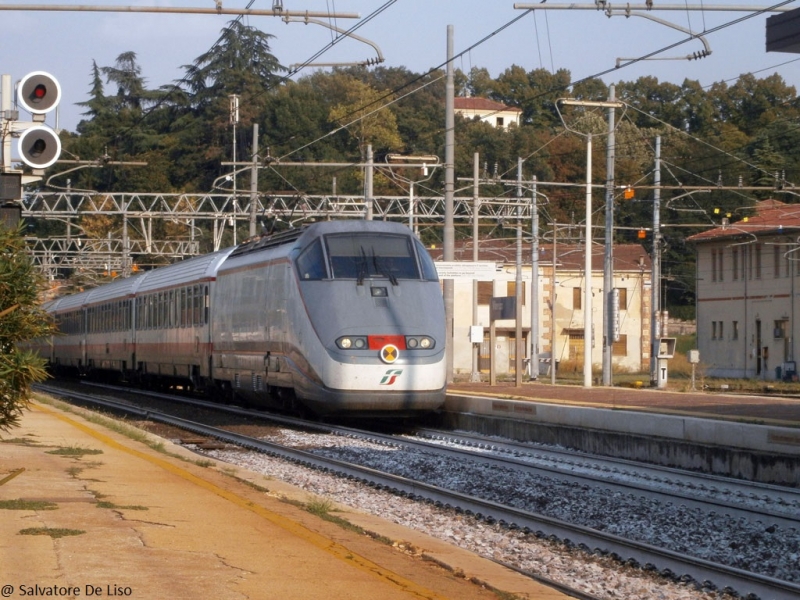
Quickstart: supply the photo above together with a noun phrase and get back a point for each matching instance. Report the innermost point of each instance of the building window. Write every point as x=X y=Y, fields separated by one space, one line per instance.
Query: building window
x=720 y=268
x=620 y=347
x=721 y=332
x=623 y=298
x=713 y=264
x=758 y=261
x=511 y=290
x=735 y=263
x=485 y=292
x=747 y=251
x=500 y=122
x=713 y=330
x=735 y=330
x=780 y=329
x=776 y=251
x=576 y=298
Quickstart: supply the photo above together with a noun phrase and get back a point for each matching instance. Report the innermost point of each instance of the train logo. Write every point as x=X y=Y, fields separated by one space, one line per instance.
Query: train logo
x=391 y=376
x=390 y=353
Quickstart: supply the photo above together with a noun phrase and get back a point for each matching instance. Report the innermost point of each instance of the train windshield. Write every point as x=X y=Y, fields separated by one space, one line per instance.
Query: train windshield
x=370 y=255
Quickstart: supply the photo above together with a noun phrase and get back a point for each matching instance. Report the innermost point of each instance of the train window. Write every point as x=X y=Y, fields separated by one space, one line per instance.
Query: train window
x=205 y=305
x=372 y=255
x=183 y=307
x=426 y=262
x=311 y=262
x=197 y=305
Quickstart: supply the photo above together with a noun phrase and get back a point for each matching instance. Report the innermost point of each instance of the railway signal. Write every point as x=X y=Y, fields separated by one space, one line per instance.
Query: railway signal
x=38 y=93
x=39 y=147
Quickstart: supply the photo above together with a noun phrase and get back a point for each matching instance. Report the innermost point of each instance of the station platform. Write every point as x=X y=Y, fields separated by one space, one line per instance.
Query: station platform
x=767 y=409
x=89 y=510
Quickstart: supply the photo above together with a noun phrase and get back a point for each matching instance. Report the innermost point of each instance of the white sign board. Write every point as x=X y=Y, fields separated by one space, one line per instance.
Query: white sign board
x=482 y=271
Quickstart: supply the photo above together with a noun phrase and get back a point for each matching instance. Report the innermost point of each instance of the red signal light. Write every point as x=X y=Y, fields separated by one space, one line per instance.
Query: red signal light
x=38 y=92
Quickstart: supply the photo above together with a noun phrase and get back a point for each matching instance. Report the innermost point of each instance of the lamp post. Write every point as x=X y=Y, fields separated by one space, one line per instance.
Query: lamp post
x=587 y=308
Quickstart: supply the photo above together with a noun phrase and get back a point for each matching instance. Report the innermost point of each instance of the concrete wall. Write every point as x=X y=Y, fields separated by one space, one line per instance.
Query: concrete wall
x=754 y=452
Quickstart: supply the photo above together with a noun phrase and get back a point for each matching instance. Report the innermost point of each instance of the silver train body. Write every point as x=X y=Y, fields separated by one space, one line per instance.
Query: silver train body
x=342 y=316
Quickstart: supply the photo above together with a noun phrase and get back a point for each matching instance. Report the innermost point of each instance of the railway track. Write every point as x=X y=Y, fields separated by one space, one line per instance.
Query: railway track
x=668 y=562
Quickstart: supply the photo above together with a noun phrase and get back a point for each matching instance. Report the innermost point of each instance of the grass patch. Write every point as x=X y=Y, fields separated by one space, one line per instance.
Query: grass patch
x=205 y=463
x=73 y=451
x=27 y=505
x=20 y=441
x=55 y=532
x=321 y=507
x=111 y=505
x=74 y=472
x=117 y=426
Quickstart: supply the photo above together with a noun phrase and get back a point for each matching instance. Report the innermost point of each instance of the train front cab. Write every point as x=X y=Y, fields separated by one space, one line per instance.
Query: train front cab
x=375 y=342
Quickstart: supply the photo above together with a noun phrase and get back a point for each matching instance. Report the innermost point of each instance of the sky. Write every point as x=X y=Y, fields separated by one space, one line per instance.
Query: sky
x=409 y=33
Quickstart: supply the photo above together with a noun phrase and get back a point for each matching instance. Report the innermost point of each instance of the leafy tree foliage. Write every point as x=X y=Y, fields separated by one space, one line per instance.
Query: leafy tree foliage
x=746 y=132
x=21 y=320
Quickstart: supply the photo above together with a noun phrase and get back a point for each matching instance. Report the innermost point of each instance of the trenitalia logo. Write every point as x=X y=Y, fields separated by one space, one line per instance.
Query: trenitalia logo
x=391 y=376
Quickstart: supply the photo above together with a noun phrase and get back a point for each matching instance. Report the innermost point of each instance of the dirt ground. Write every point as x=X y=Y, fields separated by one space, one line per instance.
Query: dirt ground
x=140 y=523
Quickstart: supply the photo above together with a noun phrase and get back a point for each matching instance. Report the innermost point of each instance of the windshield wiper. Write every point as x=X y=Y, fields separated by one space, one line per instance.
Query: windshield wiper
x=377 y=261
x=363 y=267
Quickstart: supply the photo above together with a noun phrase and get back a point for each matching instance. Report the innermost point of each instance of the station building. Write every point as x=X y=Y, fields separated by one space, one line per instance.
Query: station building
x=748 y=285
x=561 y=331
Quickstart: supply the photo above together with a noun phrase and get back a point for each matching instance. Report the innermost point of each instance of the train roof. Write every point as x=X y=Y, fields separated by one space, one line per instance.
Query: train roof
x=194 y=269
x=302 y=234
x=281 y=244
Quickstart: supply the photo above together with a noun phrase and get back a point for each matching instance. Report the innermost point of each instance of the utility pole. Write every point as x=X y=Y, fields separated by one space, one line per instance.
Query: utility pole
x=368 y=183
x=449 y=192
x=476 y=204
x=610 y=331
x=534 y=364
x=254 y=183
x=655 y=285
x=234 y=118
x=518 y=345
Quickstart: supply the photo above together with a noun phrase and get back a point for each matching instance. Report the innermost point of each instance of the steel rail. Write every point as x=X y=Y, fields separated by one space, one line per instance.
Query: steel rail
x=666 y=561
x=733 y=509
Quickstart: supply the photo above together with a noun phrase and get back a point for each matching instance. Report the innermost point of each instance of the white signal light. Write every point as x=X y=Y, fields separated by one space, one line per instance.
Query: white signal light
x=39 y=147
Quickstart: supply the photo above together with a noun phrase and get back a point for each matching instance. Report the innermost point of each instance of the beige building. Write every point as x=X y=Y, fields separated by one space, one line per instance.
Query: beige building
x=748 y=285
x=561 y=333
x=494 y=113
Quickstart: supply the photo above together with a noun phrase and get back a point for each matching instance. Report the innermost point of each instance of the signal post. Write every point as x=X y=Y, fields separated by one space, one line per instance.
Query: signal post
x=39 y=146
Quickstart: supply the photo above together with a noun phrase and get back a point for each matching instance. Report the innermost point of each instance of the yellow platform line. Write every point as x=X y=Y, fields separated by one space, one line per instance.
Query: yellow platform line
x=331 y=547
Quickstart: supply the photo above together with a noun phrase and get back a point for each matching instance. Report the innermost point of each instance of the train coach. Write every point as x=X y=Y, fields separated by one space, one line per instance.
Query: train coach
x=338 y=317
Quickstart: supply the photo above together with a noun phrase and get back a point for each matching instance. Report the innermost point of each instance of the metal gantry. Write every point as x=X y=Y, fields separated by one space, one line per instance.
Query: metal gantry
x=140 y=211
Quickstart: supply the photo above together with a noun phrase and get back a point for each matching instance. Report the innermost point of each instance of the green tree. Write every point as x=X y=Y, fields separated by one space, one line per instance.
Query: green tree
x=21 y=320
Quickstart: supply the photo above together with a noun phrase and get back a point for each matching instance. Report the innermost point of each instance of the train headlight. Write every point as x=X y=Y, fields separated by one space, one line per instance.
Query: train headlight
x=422 y=342
x=347 y=342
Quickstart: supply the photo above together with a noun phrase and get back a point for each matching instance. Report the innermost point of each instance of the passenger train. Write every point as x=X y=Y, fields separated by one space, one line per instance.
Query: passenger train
x=337 y=316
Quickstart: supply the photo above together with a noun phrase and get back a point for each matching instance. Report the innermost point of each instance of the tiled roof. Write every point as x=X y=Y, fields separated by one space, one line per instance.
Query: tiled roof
x=772 y=216
x=627 y=257
x=462 y=103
